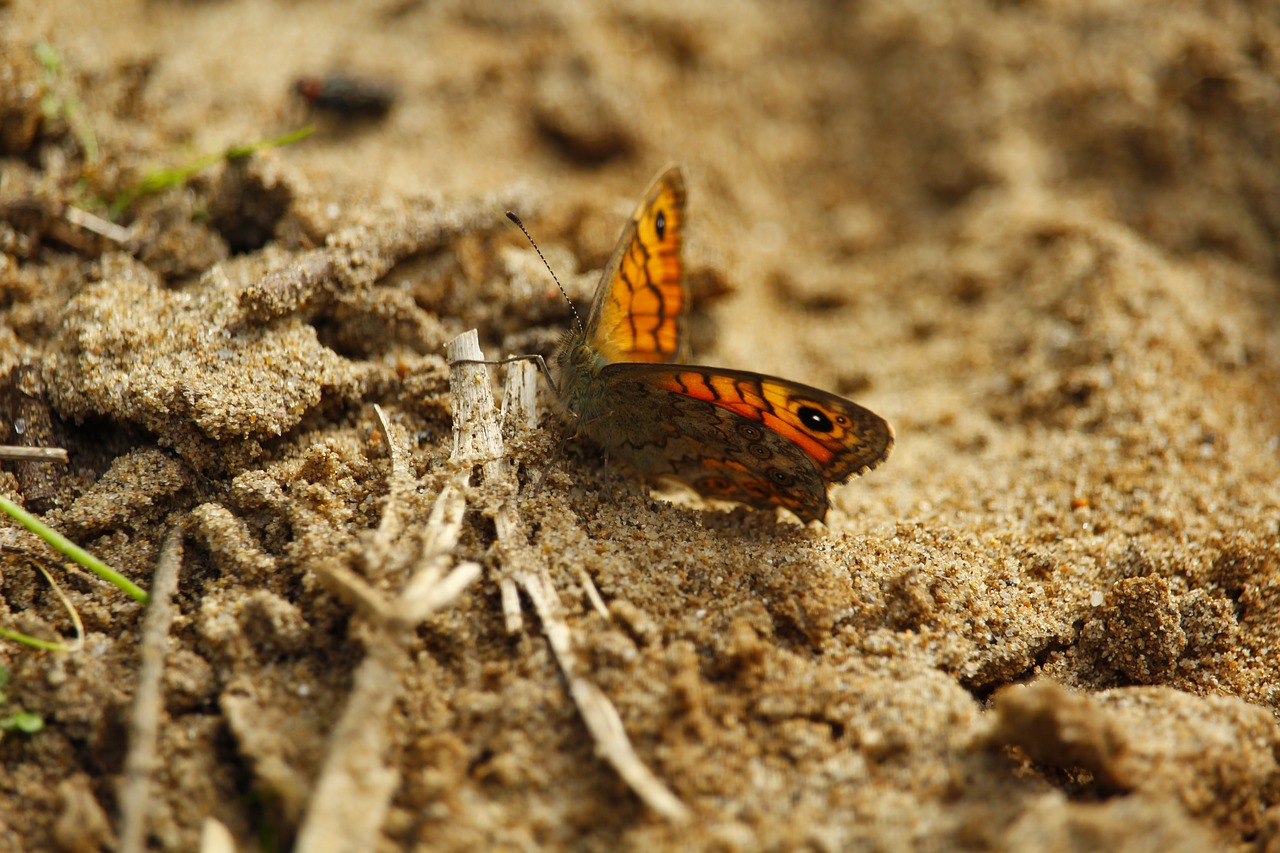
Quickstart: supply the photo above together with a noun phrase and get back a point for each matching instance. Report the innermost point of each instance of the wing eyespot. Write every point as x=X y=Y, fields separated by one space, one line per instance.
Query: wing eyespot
x=660 y=224
x=815 y=419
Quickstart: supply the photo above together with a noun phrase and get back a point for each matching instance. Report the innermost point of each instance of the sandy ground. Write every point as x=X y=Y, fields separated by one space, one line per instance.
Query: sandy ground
x=1039 y=238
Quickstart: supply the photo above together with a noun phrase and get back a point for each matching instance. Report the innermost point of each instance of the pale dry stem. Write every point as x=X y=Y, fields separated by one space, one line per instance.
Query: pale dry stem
x=529 y=569
x=356 y=783
x=14 y=453
x=148 y=700
x=352 y=796
x=215 y=837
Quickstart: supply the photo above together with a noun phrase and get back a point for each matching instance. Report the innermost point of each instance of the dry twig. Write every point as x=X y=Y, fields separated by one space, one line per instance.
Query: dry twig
x=148 y=699
x=351 y=797
x=215 y=837
x=477 y=433
x=13 y=453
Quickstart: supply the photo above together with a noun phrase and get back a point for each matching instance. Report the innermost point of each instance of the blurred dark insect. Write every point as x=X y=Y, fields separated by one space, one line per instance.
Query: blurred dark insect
x=346 y=96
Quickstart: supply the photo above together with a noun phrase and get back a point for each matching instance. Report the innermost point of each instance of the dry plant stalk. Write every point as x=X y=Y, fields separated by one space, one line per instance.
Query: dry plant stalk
x=355 y=786
x=353 y=793
x=14 y=453
x=215 y=837
x=478 y=433
x=148 y=699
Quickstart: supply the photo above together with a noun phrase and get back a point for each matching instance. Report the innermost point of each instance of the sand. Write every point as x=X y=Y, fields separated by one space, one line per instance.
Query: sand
x=1039 y=238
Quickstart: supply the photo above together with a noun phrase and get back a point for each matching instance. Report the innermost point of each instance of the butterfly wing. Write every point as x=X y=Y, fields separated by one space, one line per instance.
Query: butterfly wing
x=738 y=436
x=639 y=310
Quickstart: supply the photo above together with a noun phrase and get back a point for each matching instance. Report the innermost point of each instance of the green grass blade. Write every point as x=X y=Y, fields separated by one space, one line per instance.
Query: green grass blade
x=70 y=549
x=34 y=642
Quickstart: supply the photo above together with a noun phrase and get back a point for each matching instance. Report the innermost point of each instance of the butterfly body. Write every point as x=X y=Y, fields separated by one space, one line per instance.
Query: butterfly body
x=728 y=434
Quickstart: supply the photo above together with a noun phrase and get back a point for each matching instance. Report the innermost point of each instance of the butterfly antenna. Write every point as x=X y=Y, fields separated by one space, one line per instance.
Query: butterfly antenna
x=577 y=321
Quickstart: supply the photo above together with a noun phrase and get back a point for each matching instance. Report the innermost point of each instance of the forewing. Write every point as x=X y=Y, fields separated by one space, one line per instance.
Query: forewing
x=639 y=310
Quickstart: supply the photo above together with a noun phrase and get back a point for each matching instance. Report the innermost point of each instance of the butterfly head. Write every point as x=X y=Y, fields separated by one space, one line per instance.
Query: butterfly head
x=578 y=365
x=577 y=357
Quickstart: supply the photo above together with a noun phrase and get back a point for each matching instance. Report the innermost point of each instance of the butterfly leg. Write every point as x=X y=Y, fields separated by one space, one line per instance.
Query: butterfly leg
x=534 y=357
x=608 y=481
x=551 y=463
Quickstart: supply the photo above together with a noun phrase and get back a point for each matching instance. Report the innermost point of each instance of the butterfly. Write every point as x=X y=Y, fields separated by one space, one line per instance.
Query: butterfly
x=728 y=434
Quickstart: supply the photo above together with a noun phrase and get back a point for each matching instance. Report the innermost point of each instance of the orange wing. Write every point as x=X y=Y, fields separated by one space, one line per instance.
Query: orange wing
x=640 y=306
x=738 y=436
x=840 y=437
